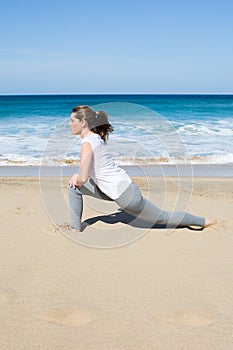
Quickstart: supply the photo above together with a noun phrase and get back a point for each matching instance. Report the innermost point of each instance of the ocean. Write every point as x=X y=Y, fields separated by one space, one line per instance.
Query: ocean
x=148 y=129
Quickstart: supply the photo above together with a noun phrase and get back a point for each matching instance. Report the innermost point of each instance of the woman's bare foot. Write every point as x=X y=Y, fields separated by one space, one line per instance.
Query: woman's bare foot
x=209 y=223
x=74 y=230
x=83 y=226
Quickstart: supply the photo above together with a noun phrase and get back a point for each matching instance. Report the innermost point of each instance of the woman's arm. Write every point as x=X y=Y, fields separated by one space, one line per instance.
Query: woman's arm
x=85 y=164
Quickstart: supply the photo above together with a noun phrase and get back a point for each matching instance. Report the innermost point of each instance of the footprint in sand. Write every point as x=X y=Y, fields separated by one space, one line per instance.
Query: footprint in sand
x=66 y=316
x=56 y=229
x=19 y=209
x=51 y=229
x=187 y=318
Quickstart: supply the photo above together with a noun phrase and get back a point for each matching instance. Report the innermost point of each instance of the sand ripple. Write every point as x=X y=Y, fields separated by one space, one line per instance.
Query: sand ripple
x=66 y=316
x=187 y=318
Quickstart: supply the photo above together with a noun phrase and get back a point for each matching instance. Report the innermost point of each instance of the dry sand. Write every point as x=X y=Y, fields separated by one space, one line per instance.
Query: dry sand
x=164 y=291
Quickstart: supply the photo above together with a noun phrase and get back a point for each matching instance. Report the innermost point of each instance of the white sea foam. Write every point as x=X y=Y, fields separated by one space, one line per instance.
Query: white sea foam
x=202 y=130
x=17 y=159
x=13 y=159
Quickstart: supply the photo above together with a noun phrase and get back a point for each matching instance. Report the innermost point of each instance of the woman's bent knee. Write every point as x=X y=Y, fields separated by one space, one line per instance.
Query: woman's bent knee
x=74 y=191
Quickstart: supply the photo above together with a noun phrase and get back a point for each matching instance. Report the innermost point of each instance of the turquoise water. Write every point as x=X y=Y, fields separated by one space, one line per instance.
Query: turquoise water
x=148 y=128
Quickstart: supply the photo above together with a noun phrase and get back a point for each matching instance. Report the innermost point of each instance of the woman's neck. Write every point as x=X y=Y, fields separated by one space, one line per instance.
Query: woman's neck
x=86 y=133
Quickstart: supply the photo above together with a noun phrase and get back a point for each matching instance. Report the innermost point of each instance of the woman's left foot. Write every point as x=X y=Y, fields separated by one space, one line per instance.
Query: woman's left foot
x=74 y=230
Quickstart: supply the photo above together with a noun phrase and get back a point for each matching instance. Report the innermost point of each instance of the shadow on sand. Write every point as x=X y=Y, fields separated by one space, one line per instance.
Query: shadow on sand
x=125 y=218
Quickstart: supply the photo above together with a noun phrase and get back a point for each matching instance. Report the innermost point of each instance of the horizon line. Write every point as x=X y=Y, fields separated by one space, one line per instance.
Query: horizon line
x=118 y=93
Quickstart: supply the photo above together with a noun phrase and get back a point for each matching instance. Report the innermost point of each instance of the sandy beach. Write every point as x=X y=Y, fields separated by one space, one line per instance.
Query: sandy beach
x=163 y=291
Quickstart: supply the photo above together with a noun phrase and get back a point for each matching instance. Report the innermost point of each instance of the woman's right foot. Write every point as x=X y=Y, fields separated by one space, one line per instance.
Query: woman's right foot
x=209 y=223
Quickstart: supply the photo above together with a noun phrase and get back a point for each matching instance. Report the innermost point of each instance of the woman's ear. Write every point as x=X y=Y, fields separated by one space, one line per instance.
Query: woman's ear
x=84 y=123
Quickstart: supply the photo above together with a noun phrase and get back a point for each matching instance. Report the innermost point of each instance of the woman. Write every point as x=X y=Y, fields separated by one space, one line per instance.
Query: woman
x=100 y=177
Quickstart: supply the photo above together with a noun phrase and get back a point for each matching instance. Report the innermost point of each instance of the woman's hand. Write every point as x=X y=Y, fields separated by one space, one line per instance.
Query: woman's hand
x=74 y=181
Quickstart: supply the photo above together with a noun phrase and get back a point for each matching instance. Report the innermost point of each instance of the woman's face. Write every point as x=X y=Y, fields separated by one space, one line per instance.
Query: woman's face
x=76 y=125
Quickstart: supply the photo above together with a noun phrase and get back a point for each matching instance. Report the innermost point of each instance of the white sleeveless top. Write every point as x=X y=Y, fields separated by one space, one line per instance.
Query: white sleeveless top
x=111 y=179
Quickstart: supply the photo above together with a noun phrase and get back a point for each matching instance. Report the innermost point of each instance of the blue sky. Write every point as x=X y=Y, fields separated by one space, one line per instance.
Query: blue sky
x=116 y=47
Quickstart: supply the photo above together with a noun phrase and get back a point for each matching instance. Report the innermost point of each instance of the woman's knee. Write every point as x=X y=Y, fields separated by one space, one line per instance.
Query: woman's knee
x=74 y=191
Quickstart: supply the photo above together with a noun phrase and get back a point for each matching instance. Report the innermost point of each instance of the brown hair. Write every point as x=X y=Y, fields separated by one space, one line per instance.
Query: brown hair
x=96 y=121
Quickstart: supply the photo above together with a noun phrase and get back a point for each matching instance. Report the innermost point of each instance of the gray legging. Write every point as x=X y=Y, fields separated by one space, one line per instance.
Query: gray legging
x=133 y=203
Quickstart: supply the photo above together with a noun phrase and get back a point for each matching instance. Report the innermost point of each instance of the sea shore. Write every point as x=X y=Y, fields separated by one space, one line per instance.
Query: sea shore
x=156 y=290
x=196 y=170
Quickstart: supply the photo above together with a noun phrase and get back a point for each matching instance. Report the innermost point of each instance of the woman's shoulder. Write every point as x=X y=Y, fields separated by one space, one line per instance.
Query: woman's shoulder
x=92 y=136
x=94 y=139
